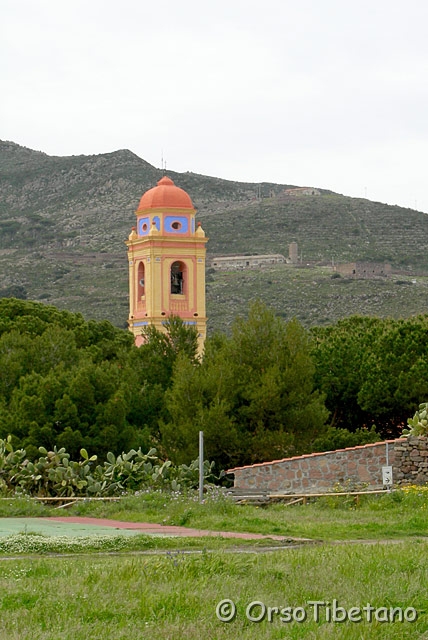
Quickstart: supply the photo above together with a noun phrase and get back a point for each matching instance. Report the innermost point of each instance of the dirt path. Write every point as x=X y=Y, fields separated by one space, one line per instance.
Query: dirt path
x=168 y=530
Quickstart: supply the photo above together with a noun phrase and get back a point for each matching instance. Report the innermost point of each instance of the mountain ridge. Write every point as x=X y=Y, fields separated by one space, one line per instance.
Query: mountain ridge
x=63 y=221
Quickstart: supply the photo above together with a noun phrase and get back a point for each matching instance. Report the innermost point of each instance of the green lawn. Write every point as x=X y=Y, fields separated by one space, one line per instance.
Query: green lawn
x=175 y=595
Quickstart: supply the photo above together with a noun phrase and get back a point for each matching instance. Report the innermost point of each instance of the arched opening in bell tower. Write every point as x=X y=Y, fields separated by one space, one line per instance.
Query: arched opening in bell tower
x=141 y=280
x=178 y=278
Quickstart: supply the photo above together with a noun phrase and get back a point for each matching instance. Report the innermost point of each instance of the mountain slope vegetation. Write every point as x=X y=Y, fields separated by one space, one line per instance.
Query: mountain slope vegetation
x=63 y=221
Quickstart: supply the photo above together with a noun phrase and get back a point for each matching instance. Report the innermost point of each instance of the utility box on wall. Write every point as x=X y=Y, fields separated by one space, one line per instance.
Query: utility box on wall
x=387 y=479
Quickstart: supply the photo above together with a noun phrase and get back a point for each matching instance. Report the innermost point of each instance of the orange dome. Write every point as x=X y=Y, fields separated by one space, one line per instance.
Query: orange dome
x=165 y=195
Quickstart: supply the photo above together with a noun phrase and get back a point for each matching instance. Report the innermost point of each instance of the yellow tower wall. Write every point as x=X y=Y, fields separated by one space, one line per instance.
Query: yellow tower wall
x=157 y=250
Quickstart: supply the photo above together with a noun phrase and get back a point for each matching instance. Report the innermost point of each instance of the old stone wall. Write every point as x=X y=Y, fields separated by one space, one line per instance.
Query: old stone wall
x=411 y=460
x=355 y=467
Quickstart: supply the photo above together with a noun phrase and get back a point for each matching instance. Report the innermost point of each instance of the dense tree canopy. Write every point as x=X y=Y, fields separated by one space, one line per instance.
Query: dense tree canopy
x=372 y=371
x=252 y=394
x=268 y=390
x=63 y=380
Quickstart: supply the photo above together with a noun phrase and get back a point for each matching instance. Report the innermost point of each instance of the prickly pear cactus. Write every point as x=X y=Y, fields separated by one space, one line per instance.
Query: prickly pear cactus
x=418 y=425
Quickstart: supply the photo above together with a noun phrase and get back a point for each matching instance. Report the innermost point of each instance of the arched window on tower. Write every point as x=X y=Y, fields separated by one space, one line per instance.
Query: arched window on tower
x=178 y=272
x=141 y=280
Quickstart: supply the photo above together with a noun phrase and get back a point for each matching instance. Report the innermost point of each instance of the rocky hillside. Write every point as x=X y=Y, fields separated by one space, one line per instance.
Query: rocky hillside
x=63 y=221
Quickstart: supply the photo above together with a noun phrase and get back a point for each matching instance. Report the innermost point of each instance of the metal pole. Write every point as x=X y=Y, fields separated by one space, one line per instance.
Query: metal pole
x=201 y=466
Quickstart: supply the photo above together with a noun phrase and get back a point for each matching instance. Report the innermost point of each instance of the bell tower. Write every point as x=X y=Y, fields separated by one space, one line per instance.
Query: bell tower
x=166 y=257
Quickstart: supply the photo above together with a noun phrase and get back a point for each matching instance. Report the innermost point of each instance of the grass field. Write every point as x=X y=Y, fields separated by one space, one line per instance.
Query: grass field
x=175 y=595
x=398 y=514
x=171 y=588
x=401 y=514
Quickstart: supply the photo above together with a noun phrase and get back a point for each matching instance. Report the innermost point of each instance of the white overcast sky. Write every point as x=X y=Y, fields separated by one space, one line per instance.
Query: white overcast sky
x=326 y=93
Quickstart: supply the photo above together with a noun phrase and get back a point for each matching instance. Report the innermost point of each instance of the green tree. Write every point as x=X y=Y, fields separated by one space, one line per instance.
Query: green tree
x=395 y=372
x=253 y=393
x=56 y=345
x=278 y=405
x=66 y=415
x=71 y=440
x=155 y=358
x=15 y=360
x=198 y=400
x=338 y=352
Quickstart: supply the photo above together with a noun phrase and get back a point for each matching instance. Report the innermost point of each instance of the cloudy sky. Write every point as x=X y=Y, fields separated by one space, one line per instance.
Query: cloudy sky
x=326 y=93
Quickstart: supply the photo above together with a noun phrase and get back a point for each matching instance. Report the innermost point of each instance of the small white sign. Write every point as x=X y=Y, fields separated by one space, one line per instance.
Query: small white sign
x=387 y=476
